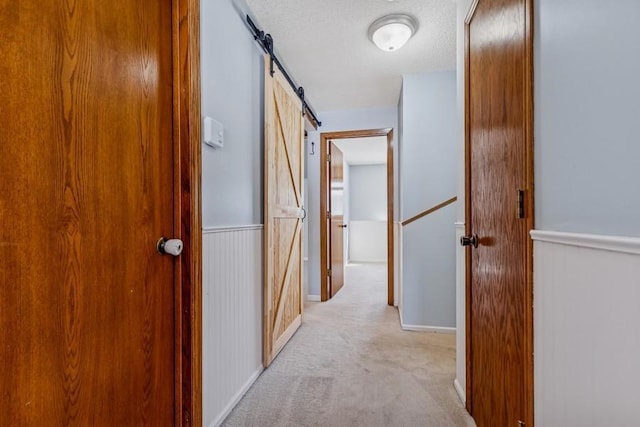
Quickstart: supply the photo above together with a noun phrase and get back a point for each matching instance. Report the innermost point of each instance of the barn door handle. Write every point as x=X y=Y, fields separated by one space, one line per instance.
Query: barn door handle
x=471 y=240
x=302 y=214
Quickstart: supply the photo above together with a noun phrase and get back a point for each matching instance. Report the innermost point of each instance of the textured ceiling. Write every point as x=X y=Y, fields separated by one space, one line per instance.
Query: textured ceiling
x=325 y=47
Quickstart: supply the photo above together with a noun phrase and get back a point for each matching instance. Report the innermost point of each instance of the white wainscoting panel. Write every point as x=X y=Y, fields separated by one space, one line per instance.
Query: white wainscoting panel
x=460 y=382
x=367 y=241
x=586 y=330
x=397 y=264
x=232 y=317
x=305 y=279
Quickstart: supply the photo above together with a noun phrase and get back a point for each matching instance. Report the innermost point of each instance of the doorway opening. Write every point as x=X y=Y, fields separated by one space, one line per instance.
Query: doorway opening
x=333 y=224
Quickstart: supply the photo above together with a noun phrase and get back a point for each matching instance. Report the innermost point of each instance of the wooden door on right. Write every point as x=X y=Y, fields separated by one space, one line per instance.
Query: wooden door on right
x=499 y=212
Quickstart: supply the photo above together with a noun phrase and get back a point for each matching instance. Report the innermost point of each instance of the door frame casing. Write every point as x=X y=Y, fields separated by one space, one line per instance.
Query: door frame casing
x=325 y=138
x=185 y=29
x=529 y=209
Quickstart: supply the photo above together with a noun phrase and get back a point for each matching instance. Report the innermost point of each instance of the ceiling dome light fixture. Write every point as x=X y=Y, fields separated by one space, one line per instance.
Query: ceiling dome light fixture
x=391 y=32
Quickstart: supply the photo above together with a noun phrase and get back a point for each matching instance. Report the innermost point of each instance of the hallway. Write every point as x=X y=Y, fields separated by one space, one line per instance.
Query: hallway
x=350 y=364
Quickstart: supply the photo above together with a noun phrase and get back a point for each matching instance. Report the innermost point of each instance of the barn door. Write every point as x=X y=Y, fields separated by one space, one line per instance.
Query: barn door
x=499 y=213
x=283 y=213
x=87 y=303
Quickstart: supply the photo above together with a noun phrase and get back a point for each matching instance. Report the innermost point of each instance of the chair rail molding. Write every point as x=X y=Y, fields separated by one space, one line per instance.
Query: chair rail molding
x=629 y=245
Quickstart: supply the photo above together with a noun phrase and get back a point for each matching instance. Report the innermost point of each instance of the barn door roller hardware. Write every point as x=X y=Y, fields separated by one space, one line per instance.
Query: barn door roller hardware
x=266 y=42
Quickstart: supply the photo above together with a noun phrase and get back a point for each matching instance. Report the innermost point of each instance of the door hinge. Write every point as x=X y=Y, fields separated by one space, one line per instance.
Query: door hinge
x=520 y=208
x=521 y=423
x=329 y=272
x=328 y=215
x=329 y=158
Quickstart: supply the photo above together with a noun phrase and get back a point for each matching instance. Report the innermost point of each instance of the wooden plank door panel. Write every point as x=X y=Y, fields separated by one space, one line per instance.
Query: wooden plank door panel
x=336 y=220
x=284 y=133
x=86 y=189
x=497 y=168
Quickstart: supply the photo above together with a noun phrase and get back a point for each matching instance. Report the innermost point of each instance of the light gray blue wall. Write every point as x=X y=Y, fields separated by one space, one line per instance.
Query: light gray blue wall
x=587 y=112
x=428 y=176
x=334 y=121
x=368 y=192
x=398 y=158
x=232 y=93
x=429 y=275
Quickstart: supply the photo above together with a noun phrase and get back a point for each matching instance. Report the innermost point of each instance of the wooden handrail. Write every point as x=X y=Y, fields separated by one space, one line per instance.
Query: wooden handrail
x=429 y=211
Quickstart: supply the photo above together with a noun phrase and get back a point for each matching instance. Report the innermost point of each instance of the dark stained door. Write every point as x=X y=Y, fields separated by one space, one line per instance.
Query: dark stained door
x=86 y=190
x=498 y=125
x=336 y=221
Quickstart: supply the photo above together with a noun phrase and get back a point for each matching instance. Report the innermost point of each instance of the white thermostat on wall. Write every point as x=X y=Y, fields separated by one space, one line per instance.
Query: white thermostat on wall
x=213 y=133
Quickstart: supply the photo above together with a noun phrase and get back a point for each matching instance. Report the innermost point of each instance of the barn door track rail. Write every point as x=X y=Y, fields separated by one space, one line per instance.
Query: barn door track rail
x=266 y=42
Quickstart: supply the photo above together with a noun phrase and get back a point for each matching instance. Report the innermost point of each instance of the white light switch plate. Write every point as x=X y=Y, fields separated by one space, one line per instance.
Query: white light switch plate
x=213 y=133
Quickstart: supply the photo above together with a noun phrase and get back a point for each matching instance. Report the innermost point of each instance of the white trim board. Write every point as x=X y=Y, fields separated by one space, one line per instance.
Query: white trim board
x=224 y=229
x=432 y=329
x=461 y=394
x=236 y=399
x=366 y=261
x=350 y=263
x=628 y=245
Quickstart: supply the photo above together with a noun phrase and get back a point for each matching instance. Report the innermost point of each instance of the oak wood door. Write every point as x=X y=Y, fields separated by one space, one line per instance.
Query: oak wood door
x=336 y=220
x=86 y=189
x=499 y=212
x=283 y=213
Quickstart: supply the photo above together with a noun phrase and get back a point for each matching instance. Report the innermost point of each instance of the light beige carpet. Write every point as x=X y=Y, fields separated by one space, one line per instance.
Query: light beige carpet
x=350 y=364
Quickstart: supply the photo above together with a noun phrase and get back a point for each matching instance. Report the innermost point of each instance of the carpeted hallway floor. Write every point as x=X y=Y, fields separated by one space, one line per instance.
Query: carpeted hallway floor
x=350 y=364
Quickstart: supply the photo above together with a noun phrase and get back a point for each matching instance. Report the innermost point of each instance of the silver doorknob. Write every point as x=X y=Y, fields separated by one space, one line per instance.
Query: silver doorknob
x=471 y=240
x=169 y=246
x=342 y=226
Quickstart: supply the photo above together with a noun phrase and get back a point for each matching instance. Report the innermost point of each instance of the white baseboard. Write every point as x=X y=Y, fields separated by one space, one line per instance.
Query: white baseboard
x=313 y=298
x=432 y=329
x=236 y=399
x=461 y=394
